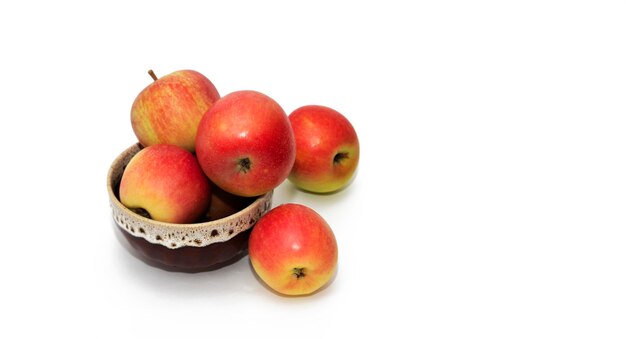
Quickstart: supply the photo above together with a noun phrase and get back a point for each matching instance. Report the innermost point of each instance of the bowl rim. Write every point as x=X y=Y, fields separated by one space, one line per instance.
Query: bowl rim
x=174 y=226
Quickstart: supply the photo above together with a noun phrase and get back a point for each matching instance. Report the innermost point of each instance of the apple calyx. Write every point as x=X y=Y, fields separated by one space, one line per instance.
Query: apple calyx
x=299 y=272
x=142 y=212
x=154 y=77
x=244 y=164
x=339 y=157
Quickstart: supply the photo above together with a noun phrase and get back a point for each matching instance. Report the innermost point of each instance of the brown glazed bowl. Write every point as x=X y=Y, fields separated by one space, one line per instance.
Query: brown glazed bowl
x=220 y=239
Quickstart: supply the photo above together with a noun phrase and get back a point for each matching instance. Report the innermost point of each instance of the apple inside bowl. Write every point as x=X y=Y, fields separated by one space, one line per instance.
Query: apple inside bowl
x=218 y=239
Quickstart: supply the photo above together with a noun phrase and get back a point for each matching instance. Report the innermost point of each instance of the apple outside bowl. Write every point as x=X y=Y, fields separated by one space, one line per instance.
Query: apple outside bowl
x=219 y=240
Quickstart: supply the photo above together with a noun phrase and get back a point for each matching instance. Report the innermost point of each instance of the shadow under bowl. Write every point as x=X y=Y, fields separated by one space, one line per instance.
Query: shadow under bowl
x=220 y=239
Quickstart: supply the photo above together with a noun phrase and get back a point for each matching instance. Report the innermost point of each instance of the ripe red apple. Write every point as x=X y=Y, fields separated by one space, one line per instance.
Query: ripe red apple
x=167 y=182
x=169 y=110
x=327 y=149
x=245 y=144
x=293 y=250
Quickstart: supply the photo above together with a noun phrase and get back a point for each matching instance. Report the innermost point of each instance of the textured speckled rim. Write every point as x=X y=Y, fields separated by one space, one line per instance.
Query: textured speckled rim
x=179 y=235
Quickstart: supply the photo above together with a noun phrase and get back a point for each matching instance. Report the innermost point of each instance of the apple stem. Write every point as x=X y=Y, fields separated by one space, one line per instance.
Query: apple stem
x=154 y=77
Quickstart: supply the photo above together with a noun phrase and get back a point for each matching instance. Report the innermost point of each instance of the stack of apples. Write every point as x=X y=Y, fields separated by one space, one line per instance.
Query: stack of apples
x=245 y=144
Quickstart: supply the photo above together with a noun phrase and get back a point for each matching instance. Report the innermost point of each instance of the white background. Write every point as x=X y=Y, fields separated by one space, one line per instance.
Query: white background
x=489 y=201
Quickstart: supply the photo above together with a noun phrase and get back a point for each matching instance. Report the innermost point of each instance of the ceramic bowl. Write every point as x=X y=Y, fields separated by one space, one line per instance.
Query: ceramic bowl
x=220 y=239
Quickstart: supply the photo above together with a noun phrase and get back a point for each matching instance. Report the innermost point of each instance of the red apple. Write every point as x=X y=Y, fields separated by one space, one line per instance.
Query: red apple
x=167 y=182
x=245 y=144
x=293 y=250
x=169 y=110
x=327 y=149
